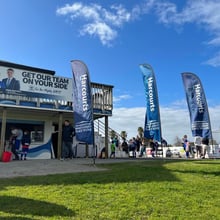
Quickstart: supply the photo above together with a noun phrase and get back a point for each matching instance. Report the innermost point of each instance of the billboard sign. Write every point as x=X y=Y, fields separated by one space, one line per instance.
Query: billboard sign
x=34 y=84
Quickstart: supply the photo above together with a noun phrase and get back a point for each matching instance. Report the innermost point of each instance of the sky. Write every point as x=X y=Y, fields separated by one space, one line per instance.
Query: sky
x=113 y=39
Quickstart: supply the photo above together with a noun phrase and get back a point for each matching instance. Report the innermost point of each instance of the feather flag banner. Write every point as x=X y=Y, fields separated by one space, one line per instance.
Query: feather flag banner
x=82 y=103
x=197 y=105
x=152 y=128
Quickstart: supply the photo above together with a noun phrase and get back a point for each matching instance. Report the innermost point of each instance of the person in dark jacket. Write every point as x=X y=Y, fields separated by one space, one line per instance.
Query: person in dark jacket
x=25 y=141
x=67 y=140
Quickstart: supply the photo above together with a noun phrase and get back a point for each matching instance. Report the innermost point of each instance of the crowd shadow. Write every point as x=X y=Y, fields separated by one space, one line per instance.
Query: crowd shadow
x=138 y=171
x=24 y=206
x=15 y=218
x=134 y=171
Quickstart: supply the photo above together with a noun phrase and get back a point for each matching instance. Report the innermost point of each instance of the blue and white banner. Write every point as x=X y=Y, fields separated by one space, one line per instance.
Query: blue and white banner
x=152 y=128
x=82 y=103
x=197 y=105
x=34 y=84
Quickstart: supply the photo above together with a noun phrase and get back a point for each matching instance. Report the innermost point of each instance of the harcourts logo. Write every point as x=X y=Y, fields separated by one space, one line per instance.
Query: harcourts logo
x=151 y=94
x=198 y=97
x=83 y=79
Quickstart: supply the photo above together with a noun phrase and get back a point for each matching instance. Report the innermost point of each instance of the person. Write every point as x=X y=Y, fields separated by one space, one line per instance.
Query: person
x=102 y=153
x=186 y=145
x=138 y=143
x=116 y=142
x=164 y=143
x=142 y=148
x=156 y=145
x=124 y=146
x=205 y=145
x=26 y=141
x=153 y=148
x=132 y=147
x=67 y=140
x=112 y=150
x=198 y=145
x=169 y=153
x=10 y=82
x=13 y=146
x=19 y=136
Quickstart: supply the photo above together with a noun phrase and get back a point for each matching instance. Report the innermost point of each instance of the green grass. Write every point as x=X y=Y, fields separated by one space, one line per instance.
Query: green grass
x=137 y=190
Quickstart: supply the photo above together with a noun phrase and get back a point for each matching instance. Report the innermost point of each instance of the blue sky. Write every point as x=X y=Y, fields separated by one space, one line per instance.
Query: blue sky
x=113 y=39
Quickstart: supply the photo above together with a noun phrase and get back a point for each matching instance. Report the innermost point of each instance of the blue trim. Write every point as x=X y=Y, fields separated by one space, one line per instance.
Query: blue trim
x=47 y=105
x=37 y=151
x=7 y=102
x=27 y=103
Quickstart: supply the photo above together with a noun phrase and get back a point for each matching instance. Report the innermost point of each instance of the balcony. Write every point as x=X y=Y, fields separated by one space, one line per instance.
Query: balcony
x=101 y=95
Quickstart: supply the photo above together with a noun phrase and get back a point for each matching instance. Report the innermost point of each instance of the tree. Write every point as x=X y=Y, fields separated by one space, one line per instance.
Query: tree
x=112 y=134
x=140 y=132
x=214 y=142
x=177 y=141
x=124 y=135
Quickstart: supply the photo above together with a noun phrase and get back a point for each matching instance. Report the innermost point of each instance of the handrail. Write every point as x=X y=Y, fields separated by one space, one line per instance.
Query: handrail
x=99 y=127
x=102 y=98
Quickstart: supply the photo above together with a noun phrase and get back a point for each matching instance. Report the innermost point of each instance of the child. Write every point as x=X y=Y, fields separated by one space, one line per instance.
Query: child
x=26 y=141
x=112 y=149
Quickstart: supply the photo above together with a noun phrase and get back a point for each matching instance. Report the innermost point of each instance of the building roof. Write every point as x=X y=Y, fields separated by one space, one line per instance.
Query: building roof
x=29 y=68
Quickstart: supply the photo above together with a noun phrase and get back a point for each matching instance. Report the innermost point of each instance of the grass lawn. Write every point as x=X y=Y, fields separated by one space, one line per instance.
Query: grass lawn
x=138 y=190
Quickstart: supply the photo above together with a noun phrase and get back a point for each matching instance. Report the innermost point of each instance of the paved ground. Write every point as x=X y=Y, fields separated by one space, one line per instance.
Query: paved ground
x=44 y=167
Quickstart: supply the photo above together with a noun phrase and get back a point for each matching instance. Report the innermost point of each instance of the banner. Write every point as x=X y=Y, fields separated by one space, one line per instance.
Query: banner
x=152 y=128
x=198 y=109
x=82 y=103
x=14 y=81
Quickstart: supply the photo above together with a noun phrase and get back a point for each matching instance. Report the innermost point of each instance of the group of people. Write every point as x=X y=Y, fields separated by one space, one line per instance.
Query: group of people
x=136 y=146
x=131 y=147
x=19 y=142
x=200 y=146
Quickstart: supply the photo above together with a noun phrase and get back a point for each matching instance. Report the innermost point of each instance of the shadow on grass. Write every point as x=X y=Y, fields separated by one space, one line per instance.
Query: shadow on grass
x=15 y=218
x=213 y=162
x=200 y=172
x=135 y=171
x=140 y=171
x=23 y=206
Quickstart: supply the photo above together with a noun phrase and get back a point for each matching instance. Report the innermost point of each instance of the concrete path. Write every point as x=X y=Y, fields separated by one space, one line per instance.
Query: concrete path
x=38 y=167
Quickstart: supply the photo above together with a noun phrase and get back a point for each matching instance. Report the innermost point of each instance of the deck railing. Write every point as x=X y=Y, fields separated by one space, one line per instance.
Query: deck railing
x=101 y=94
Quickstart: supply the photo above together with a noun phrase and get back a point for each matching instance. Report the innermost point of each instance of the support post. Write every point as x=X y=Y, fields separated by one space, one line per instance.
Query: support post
x=87 y=150
x=106 y=136
x=2 y=144
x=60 y=129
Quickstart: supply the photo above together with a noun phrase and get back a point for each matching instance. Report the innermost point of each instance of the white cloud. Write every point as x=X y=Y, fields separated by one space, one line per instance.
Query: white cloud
x=105 y=23
x=103 y=31
x=100 y=22
x=175 y=121
x=204 y=13
x=214 y=61
x=215 y=41
x=121 y=97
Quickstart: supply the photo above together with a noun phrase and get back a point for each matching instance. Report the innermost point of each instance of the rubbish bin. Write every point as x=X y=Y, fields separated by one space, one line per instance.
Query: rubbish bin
x=6 y=156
